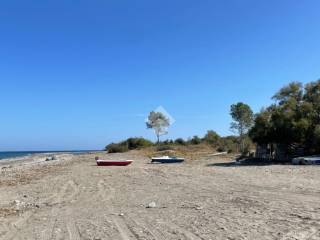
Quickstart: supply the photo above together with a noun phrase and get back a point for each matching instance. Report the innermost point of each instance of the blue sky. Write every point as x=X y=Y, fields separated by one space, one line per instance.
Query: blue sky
x=80 y=74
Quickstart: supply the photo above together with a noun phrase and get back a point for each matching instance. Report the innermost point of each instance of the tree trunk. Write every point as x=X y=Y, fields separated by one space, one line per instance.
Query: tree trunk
x=241 y=139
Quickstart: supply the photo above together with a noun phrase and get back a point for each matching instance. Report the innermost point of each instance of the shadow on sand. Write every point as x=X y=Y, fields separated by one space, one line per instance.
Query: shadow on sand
x=247 y=162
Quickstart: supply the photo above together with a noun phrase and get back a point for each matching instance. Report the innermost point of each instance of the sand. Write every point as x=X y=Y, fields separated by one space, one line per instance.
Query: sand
x=209 y=198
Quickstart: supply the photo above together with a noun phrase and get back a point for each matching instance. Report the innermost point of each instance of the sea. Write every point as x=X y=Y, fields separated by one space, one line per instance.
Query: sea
x=16 y=154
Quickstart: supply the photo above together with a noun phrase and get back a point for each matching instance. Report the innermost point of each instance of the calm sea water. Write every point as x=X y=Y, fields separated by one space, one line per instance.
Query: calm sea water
x=5 y=155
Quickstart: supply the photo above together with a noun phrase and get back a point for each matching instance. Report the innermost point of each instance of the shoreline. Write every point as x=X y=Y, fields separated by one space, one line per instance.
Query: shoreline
x=39 y=158
x=23 y=154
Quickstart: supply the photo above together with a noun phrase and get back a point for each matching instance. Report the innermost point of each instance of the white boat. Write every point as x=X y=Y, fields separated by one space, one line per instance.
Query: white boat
x=166 y=159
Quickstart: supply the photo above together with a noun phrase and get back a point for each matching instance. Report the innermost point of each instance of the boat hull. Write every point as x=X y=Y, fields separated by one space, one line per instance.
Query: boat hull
x=170 y=160
x=306 y=161
x=113 y=163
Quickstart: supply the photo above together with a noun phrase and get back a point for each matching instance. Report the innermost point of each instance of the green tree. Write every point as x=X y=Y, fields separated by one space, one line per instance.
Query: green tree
x=293 y=120
x=262 y=130
x=159 y=123
x=293 y=91
x=242 y=116
x=211 y=137
x=180 y=141
x=195 y=140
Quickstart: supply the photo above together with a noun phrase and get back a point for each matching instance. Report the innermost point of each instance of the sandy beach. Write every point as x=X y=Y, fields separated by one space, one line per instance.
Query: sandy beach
x=209 y=198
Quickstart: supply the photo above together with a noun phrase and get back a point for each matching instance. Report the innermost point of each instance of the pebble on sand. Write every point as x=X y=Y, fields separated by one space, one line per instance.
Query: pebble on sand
x=152 y=205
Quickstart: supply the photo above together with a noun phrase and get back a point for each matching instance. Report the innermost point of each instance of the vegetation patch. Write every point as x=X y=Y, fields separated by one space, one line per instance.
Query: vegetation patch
x=293 y=121
x=129 y=144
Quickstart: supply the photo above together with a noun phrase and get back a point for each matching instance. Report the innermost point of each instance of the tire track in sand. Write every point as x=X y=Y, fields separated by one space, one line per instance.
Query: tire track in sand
x=127 y=231
x=123 y=230
x=107 y=193
x=71 y=227
x=186 y=233
x=67 y=194
x=151 y=231
x=127 y=227
x=13 y=230
x=305 y=234
x=3 y=229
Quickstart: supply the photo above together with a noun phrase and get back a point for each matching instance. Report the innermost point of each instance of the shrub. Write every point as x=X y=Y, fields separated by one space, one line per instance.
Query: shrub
x=117 y=147
x=180 y=141
x=228 y=144
x=195 y=140
x=129 y=144
x=135 y=143
x=165 y=142
x=211 y=137
x=221 y=149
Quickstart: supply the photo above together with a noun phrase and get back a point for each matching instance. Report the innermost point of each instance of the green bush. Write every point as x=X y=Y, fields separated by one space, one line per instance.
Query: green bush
x=129 y=144
x=117 y=147
x=136 y=143
x=180 y=141
x=228 y=144
x=166 y=142
x=211 y=137
x=195 y=140
x=221 y=149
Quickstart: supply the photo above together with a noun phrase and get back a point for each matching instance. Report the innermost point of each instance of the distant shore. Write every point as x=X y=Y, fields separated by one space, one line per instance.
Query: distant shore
x=6 y=155
x=31 y=158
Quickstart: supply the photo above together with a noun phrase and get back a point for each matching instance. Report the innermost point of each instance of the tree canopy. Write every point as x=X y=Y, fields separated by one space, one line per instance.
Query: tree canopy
x=242 y=116
x=293 y=119
x=159 y=123
x=211 y=137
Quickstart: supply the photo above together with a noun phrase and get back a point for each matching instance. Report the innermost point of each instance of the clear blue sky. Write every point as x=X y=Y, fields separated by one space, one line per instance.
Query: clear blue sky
x=79 y=74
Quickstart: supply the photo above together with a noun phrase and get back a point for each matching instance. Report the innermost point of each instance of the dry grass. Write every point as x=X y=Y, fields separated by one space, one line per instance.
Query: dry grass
x=189 y=152
x=22 y=177
x=5 y=212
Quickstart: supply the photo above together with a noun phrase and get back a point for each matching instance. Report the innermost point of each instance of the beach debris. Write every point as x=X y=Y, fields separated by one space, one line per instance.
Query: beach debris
x=17 y=202
x=121 y=214
x=152 y=205
x=192 y=206
x=51 y=158
x=20 y=205
x=218 y=154
x=6 y=167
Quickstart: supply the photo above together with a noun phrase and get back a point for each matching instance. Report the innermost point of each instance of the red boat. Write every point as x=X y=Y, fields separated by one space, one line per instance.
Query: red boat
x=101 y=162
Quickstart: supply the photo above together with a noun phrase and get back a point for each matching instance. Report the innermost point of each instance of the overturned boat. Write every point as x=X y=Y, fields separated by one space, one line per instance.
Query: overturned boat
x=167 y=159
x=312 y=160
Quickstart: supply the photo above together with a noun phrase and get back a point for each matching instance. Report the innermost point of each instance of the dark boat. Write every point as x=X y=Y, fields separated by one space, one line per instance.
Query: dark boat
x=167 y=159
